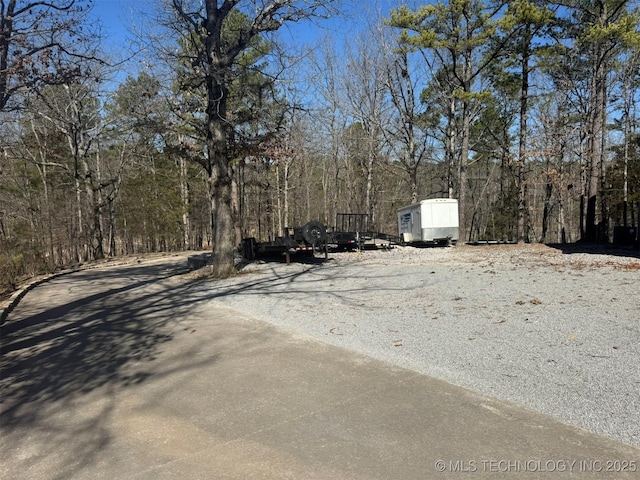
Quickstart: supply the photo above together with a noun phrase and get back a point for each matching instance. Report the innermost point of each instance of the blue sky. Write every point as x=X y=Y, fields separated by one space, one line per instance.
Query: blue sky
x=115 y=18
x=114 y=15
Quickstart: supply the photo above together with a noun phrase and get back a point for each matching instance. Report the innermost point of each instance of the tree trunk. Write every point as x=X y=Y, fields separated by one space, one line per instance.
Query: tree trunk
x=235 y=204
x=49 y=225
x=223 y=225
x=279 y=194
x=462 y=170
x=184 y=197
x=596 y=228
x=450 y=146
x=369 y=187
x=547 y=207
x=78 y=242
x=285 y=192
x=522 y=150
x=218 y=136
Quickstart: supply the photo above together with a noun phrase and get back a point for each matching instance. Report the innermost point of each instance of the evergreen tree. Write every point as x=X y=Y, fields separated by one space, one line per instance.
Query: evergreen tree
x=455 y=36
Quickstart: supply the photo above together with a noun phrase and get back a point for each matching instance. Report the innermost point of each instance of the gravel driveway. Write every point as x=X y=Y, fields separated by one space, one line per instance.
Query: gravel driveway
x=554 y=331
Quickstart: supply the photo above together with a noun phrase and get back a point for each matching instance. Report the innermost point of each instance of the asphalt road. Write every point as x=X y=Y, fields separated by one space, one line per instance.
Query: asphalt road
x=131 y=372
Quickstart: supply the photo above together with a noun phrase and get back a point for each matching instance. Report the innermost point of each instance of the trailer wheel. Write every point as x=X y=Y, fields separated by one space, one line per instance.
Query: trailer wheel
x=314 y=233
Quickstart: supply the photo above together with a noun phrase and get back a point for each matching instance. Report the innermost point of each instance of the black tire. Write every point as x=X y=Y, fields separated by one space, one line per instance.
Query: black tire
x=314 y=233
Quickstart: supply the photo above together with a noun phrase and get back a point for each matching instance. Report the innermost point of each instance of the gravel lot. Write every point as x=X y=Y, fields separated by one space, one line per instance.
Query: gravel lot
x=554 y=331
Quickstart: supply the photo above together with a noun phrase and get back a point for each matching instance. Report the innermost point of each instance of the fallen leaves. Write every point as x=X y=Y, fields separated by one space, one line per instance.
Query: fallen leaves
x=535 y=301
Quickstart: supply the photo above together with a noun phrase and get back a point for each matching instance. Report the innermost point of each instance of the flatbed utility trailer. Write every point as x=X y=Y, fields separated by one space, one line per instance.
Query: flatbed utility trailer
x=378 y=241
x=346 y=234
x=352 y=233
x=429 y=222
x=339 y=240
x=308 y=239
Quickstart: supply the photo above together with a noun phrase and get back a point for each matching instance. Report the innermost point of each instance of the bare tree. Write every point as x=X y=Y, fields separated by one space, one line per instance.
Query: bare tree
x=365 y=91
x=40 y=44
x=73 y=110
x=405 y=136
x=330 y=119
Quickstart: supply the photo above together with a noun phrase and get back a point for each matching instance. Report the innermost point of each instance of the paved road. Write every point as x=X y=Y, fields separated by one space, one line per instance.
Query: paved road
x=133 y=373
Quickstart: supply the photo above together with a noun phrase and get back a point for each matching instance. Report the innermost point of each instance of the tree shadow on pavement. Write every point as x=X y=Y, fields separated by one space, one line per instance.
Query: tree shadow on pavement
x=64 y=366
x=54 y=359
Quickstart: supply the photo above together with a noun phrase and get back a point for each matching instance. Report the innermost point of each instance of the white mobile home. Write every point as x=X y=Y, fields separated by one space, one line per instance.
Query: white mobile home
x=429 y=221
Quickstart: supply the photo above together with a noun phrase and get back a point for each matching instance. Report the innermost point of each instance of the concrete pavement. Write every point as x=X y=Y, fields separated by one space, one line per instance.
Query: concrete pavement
x=152 y=381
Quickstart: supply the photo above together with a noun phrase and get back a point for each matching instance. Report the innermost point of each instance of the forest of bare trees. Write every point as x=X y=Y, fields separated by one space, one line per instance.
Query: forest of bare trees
x=229 y=128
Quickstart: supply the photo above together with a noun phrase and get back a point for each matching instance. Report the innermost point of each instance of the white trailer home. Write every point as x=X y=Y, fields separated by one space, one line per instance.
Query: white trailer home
x=432 y=221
